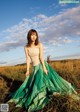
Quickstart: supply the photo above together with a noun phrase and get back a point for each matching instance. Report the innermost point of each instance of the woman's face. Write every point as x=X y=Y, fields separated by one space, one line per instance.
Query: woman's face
x=33 y=36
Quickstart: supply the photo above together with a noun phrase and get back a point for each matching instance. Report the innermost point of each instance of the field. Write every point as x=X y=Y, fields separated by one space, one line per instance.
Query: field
x=11 y=77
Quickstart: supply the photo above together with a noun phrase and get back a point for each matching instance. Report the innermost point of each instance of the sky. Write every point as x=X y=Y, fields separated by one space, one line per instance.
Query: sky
x=57 y=24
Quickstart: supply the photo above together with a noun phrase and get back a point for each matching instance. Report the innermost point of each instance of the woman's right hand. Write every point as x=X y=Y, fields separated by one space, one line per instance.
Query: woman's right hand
x=27 y=73
x=45 y=71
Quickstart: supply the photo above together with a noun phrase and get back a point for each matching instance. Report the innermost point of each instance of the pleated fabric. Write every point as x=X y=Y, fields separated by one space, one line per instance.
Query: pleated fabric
x=38 y=88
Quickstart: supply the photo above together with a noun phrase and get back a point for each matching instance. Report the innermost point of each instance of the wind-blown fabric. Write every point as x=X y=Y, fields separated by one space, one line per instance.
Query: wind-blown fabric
x=37 y=88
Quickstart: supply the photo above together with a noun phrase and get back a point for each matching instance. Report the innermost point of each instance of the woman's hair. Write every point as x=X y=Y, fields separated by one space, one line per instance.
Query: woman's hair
x=29 y=41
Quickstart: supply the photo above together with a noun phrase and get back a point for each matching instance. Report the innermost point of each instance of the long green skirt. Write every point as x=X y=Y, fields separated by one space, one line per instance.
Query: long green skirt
x=37 y=88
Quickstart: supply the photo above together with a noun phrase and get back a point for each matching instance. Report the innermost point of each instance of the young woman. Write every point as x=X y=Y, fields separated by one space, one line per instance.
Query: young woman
x=42 y=82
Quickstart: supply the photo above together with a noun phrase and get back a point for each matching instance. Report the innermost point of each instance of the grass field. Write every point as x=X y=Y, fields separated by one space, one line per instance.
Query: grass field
x=11 y=77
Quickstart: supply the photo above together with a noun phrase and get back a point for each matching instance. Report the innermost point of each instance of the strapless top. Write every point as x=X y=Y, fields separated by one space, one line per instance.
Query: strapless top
x=33 y=52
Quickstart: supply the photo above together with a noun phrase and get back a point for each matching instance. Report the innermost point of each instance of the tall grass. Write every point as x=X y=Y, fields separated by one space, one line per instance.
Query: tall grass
x=11 y=77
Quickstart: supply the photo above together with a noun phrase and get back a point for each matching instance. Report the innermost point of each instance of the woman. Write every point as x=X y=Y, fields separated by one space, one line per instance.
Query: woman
x=42 y=82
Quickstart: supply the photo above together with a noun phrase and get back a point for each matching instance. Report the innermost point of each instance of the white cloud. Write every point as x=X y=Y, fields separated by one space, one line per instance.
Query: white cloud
x=56 y=30
x=3 y=62
x=71 y=56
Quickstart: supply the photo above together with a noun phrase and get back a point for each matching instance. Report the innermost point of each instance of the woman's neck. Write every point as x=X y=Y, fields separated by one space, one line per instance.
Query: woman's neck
x=32 y=44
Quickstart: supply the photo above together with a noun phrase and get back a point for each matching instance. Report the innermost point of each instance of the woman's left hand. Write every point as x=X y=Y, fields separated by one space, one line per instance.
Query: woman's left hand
x=46 y=71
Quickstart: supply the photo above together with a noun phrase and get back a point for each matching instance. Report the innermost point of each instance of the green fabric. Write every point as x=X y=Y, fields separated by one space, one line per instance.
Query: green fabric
x=37 y=88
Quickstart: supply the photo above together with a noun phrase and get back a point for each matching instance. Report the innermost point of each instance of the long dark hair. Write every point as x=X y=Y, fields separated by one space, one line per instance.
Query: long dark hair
x=29 y=41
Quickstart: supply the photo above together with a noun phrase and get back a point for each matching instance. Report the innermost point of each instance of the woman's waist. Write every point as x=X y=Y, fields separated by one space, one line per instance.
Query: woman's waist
x=36 y=62
x=35 y=59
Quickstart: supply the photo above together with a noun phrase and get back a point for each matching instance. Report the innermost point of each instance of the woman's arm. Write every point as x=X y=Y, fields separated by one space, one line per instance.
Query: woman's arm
x=41 y=57
x=41 y=54
x=27 y=58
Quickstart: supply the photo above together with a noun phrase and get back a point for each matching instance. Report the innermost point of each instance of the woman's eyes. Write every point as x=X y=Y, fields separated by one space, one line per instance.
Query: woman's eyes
x=33 y=35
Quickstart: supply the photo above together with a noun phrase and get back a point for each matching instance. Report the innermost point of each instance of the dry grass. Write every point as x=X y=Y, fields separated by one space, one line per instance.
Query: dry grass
x=11 y=77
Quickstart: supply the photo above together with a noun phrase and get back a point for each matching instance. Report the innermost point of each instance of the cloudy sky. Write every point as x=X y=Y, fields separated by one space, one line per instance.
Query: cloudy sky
x=58 y=27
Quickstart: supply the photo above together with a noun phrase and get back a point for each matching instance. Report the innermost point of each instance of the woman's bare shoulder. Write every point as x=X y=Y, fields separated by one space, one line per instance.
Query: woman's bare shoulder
x=25 y=47
x=40 y=44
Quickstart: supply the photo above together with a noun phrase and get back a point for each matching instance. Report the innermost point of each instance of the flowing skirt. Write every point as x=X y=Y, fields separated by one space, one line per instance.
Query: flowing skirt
x=37 y=88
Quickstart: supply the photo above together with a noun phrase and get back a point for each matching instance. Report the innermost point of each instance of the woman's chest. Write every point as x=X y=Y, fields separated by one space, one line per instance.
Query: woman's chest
x=33 y=51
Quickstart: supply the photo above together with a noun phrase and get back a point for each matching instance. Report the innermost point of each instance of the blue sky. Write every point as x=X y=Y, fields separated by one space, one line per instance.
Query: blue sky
x=58 y=26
